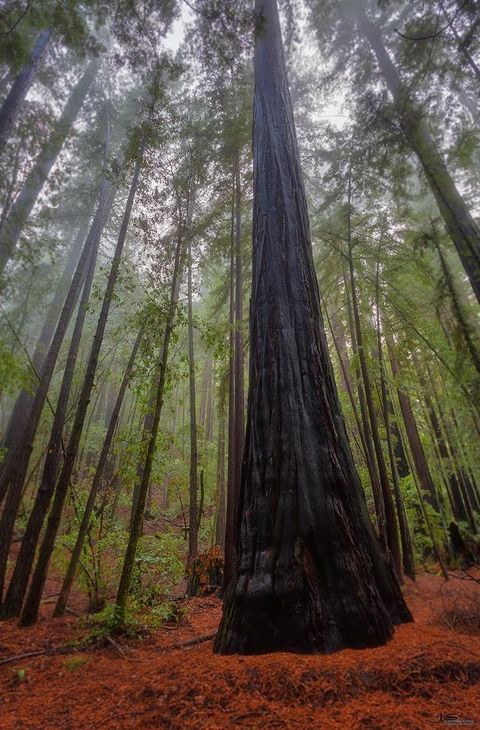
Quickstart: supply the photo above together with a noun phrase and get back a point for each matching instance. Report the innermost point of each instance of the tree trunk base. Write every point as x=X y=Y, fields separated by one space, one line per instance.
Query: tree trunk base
x=308 y=624
x=205 y=575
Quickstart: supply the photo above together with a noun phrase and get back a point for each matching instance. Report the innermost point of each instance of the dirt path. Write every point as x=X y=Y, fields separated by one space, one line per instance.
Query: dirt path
x=427 y=671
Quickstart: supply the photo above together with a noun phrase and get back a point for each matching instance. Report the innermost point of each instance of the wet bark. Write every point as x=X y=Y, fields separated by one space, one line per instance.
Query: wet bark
x=21 y=209
x=310 y=574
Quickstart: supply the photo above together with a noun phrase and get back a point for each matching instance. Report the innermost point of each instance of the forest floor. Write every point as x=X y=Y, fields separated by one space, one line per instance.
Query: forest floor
x=429 y=674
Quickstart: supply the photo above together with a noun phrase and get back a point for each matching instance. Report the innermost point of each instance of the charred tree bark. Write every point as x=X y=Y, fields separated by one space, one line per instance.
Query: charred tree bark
x=21 y=86
x=310 y=574
x=20 y=211
x=32 y=602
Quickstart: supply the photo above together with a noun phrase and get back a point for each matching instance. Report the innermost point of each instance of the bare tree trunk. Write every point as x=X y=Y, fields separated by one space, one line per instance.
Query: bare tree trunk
x=338 y=337
x=310 y=574
x=221 y=492
x=239 y=408
x=387 y=523
x=21 y=86
x=367 y=441
x=136 y=522
x=232 y=495
x=30 y=609
x=209 y=410
x=464 y=326
x=16 y=463
x=97 y=481
x=21 y=209
x=193 y=501
x=418 y=454
x=408 y=560
x=23 y=403
x=18 y=583
x=460 y=224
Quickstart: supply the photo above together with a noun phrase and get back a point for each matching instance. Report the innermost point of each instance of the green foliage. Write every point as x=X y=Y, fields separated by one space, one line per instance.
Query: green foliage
x=158 y=569
x=108 y=622
x=13 y=372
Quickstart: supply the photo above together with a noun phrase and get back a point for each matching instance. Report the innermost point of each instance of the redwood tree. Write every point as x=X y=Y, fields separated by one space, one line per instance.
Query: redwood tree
x=310 y=574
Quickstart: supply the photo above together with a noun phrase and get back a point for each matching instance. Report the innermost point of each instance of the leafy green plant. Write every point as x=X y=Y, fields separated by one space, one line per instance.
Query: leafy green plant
x=158 y=569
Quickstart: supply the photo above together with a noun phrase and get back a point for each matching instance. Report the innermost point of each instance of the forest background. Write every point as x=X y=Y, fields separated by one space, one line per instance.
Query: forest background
x=125 y=237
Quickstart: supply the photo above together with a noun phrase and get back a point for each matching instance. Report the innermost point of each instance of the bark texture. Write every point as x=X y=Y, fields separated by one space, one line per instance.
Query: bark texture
x=310 y=574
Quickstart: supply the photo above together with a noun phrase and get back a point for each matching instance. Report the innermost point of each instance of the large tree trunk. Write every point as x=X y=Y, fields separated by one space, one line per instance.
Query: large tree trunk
x=97 y=481
x=16 y=464
x=30 y=609
x=463 y=230
x=21 y=209
x=21 y=86
x=310 y=574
